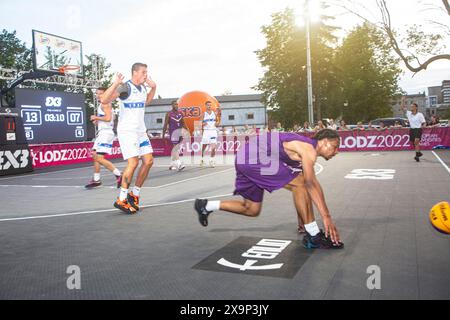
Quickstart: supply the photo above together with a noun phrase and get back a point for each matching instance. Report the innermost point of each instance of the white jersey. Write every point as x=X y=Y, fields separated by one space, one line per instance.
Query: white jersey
x=132 y=110
x=415 y=120
x=210 y=121
x=103 y=125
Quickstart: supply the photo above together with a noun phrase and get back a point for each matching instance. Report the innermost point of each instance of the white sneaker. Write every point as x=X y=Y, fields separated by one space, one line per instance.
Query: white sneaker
x=212 y=163
x=202 y=163
x=181 y=166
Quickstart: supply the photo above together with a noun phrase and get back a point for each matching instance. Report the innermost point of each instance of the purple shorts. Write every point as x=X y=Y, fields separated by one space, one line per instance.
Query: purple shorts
x=247 y=188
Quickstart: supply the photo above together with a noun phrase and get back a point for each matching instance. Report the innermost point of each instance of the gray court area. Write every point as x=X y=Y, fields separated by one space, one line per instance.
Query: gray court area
x=48 y=222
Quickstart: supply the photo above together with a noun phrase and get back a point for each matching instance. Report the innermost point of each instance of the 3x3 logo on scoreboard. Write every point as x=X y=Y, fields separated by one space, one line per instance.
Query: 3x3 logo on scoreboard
x=52 y=117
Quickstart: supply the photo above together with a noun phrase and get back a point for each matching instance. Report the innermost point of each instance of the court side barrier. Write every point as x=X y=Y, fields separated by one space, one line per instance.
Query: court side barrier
x=50 y=155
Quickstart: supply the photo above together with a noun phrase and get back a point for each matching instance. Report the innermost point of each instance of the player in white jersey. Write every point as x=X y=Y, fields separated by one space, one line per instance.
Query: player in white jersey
x=104 y=142
x=417 y=123
x=132 y=132
x=210 y=121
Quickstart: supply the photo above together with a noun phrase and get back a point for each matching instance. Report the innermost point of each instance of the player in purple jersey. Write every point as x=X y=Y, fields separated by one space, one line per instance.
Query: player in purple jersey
x=282 y=160
x=175 y=123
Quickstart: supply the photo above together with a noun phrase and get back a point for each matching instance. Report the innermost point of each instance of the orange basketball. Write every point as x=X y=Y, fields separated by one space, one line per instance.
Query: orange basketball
x=192 y=105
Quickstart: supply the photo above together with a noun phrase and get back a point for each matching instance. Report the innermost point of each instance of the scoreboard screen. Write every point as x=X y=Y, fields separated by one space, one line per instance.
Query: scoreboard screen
x=52 y=116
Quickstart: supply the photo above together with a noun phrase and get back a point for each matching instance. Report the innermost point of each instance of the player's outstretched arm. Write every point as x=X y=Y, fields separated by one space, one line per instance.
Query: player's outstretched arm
x=218 y=117
x=113 y=92
x=166 y=125
x=152 y=92
x=314 y=189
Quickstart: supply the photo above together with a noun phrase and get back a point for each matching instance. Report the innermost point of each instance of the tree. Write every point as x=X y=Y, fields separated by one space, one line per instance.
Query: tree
x=284 y=84
x=96 y=68
x=369 y=75
x=13 y=53
x=416 y=47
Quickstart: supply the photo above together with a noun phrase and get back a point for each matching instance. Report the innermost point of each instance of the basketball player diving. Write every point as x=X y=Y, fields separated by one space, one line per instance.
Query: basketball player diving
x=291 y=166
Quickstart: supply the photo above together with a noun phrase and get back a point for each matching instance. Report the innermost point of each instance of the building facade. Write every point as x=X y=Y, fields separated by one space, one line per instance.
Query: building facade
x=438 y=102
x=446 y=92
x=237 y=111
x=420 y=99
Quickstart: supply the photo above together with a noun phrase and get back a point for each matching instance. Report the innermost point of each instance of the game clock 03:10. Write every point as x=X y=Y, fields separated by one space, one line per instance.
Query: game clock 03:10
x=34 y=117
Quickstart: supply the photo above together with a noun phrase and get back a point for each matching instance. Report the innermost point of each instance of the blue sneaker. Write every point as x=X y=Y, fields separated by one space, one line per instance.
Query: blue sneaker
x=200 y=207
x=320 y=241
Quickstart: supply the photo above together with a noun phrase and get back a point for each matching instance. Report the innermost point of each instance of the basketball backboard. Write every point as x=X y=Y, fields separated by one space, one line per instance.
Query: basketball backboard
x=53 y=52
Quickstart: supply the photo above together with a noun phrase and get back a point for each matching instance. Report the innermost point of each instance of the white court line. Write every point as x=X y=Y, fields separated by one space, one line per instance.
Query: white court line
x=42 y=173
x=37 y=186
x=112 y=187
x=75 y=169
x=57 y=179
x=107 y=210
x=190 y=179
x=321 y=168
x=440 y=160
x=104 y=171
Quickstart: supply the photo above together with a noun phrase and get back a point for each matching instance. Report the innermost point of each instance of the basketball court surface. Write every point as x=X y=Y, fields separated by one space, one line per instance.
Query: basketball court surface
x=380 y=203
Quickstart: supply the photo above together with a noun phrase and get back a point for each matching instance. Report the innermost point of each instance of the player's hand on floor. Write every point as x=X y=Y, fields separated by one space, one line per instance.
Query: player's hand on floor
x=331 y=230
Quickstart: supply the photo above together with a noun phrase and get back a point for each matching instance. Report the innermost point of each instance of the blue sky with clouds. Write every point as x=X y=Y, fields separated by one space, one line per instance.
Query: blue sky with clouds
x=189 y=44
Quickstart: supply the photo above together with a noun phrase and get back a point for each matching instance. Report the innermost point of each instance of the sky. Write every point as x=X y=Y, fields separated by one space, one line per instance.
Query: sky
x=206 y=45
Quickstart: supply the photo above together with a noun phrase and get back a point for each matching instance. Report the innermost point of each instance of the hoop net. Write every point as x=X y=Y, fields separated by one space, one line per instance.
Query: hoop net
x=70 y=72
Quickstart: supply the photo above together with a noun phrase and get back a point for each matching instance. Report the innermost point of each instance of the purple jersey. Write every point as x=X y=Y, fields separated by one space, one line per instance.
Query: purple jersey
x=175 y=126
x=276 y=170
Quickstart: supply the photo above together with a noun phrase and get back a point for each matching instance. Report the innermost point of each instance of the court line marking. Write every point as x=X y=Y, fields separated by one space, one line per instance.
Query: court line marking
x=113 y=187
x=442 y=162
x=64 y=171
x=108 y=210
x=321 y=168
x=105 y=172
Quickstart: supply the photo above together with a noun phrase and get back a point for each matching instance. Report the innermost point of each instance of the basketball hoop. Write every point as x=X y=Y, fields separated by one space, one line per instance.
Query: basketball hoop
x=69 y=69
x=70 y=72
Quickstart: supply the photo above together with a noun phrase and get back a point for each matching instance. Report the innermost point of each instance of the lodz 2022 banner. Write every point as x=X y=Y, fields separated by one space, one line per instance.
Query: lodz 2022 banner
x=392 y=139
x=388 y=140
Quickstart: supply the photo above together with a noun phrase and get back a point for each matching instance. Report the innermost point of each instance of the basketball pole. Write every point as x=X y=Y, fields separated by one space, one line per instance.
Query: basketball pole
x=309 y=64
x=95 y=74
x=25 y=77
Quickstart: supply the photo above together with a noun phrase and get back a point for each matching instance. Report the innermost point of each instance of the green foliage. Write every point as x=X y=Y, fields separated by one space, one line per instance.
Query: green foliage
x=368 y=73
x=284 y=84
x=103 y=73
x=13 y=53
x=362 y=72
x=423 y=43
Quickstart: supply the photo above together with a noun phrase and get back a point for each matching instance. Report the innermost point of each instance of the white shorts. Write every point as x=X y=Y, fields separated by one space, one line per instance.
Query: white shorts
x=104 y=142
x=209 y=137
x=134 y=144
